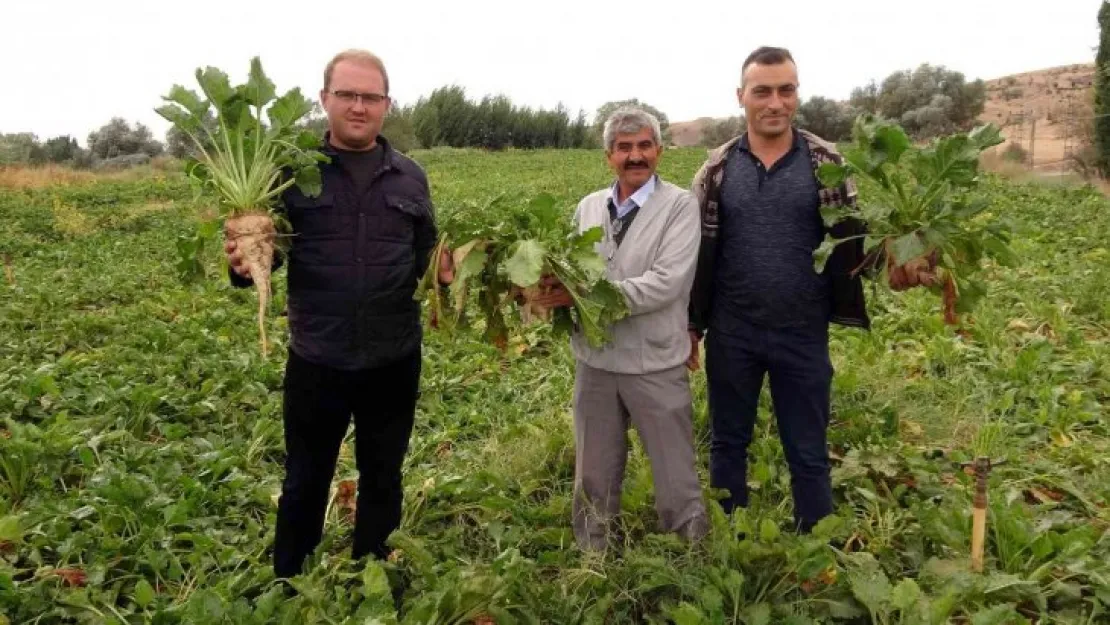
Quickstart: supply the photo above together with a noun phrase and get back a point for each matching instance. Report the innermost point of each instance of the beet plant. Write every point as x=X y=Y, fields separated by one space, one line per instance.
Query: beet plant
x=247 y=163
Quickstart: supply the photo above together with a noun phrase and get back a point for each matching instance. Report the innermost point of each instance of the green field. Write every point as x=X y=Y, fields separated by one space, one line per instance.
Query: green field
x=141 y=442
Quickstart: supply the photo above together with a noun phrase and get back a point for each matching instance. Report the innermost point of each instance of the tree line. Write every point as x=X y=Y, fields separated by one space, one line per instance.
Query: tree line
x=927 y=101
x=448 y=118
x=115 y=142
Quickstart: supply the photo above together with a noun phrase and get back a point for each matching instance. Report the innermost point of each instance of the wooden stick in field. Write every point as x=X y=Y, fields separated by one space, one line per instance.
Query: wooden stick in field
x=983 y=466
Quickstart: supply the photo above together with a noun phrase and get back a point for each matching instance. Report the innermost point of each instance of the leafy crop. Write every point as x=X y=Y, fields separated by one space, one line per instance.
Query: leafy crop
x=922 y=205
x=503 y=257
x=141 y=442
x=244 y=160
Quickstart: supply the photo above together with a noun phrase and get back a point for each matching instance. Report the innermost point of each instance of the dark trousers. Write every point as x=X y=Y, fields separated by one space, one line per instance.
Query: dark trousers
x=319 y=403
x=797 y=361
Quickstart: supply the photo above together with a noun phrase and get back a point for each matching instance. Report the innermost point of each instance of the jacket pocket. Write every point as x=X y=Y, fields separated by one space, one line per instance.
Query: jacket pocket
x=660 y=335
x=399 y=219
x=317 y=216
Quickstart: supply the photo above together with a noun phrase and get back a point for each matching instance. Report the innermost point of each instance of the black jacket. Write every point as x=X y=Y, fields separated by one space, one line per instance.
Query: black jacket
x=355 y=261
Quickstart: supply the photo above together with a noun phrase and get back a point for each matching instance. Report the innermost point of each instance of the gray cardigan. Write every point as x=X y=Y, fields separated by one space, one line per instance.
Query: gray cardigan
x=654 y=268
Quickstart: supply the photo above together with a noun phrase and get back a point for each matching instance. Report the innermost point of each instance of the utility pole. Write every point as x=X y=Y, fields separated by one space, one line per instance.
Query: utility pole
x=1018 y=120
x=1067 y=129
x=1033 y=142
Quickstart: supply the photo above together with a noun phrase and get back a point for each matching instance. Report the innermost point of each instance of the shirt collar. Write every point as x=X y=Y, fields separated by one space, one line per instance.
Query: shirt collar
x=329 y=150
x=639 y=197
x=745 y=145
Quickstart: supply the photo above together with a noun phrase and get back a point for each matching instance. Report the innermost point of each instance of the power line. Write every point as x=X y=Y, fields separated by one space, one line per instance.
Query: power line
x=1090 y=116
x=1057 y=162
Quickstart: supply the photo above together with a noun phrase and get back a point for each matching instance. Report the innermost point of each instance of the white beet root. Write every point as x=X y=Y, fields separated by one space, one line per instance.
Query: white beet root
x=254 y=235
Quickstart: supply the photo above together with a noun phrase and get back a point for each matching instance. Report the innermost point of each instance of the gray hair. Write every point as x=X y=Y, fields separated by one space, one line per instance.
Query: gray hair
x=629 y=120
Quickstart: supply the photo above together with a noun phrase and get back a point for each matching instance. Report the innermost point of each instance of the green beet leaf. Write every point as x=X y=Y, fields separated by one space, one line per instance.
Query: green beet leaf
x=525 y=266
x=920 y=200
x=509 y=247
x=243 y=160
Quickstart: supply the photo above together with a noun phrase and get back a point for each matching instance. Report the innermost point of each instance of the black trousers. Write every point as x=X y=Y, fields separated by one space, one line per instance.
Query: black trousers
x=797 y=362
x=318 y=405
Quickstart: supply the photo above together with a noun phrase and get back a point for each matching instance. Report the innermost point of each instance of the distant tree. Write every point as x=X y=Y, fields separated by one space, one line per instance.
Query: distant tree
x=425 y=123
x=524 y=129
x=1102 y=94
x=717 y=132
x=927 y=100
x=932 y=119
x=607 y=109
x=397 y=128
x=179 y=145
x=21 y=148
x=118 y=138
x=24 y=148
x=491 y=123
x=553 y=126
x=62 y=149
x=579 y=133
x=453 y=113
x=448 y=117
x=828 y=119
x=865 y=98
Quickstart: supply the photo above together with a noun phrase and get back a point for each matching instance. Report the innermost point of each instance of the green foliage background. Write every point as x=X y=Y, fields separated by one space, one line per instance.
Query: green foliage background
x=141 y=442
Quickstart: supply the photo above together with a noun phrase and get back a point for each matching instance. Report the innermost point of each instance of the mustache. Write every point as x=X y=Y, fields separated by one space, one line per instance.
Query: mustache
x=635 y=165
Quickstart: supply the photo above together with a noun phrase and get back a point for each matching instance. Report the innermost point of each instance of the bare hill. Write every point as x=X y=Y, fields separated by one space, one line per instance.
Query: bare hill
x=1057 y=98
x=1052 y=102
x=685 y=134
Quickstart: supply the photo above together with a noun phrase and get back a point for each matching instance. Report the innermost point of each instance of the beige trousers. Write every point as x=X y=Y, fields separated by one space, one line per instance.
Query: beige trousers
x=659 y=405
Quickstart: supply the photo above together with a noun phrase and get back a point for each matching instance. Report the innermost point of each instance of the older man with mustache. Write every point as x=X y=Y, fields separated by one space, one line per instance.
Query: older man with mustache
x=651 y=247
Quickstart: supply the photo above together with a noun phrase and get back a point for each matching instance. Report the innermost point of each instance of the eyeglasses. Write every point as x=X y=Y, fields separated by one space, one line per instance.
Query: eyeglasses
x=350 y=97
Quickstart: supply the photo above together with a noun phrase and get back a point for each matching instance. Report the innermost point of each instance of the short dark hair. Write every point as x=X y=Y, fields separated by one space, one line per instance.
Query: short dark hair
x=767 y=55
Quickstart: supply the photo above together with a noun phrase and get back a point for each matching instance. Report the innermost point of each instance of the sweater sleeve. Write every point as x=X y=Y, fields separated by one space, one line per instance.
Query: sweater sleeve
x=664 y=283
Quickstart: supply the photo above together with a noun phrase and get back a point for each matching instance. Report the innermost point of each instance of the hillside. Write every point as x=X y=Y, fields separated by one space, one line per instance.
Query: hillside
x=1056 y=97
x=686 y=134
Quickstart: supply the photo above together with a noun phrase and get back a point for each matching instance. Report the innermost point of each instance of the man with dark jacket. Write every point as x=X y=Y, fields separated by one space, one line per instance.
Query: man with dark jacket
x=756 y=293
x=356 y=255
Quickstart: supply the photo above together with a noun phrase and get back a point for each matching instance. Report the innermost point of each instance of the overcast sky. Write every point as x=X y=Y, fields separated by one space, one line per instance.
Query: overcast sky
x=69 y=66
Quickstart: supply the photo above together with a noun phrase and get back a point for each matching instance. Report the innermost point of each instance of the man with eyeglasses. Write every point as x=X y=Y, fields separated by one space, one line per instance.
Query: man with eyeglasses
x=640 y=378
x=356 y=255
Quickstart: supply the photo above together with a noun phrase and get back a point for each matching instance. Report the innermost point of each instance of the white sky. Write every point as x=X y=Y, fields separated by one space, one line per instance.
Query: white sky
x=70 y=65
